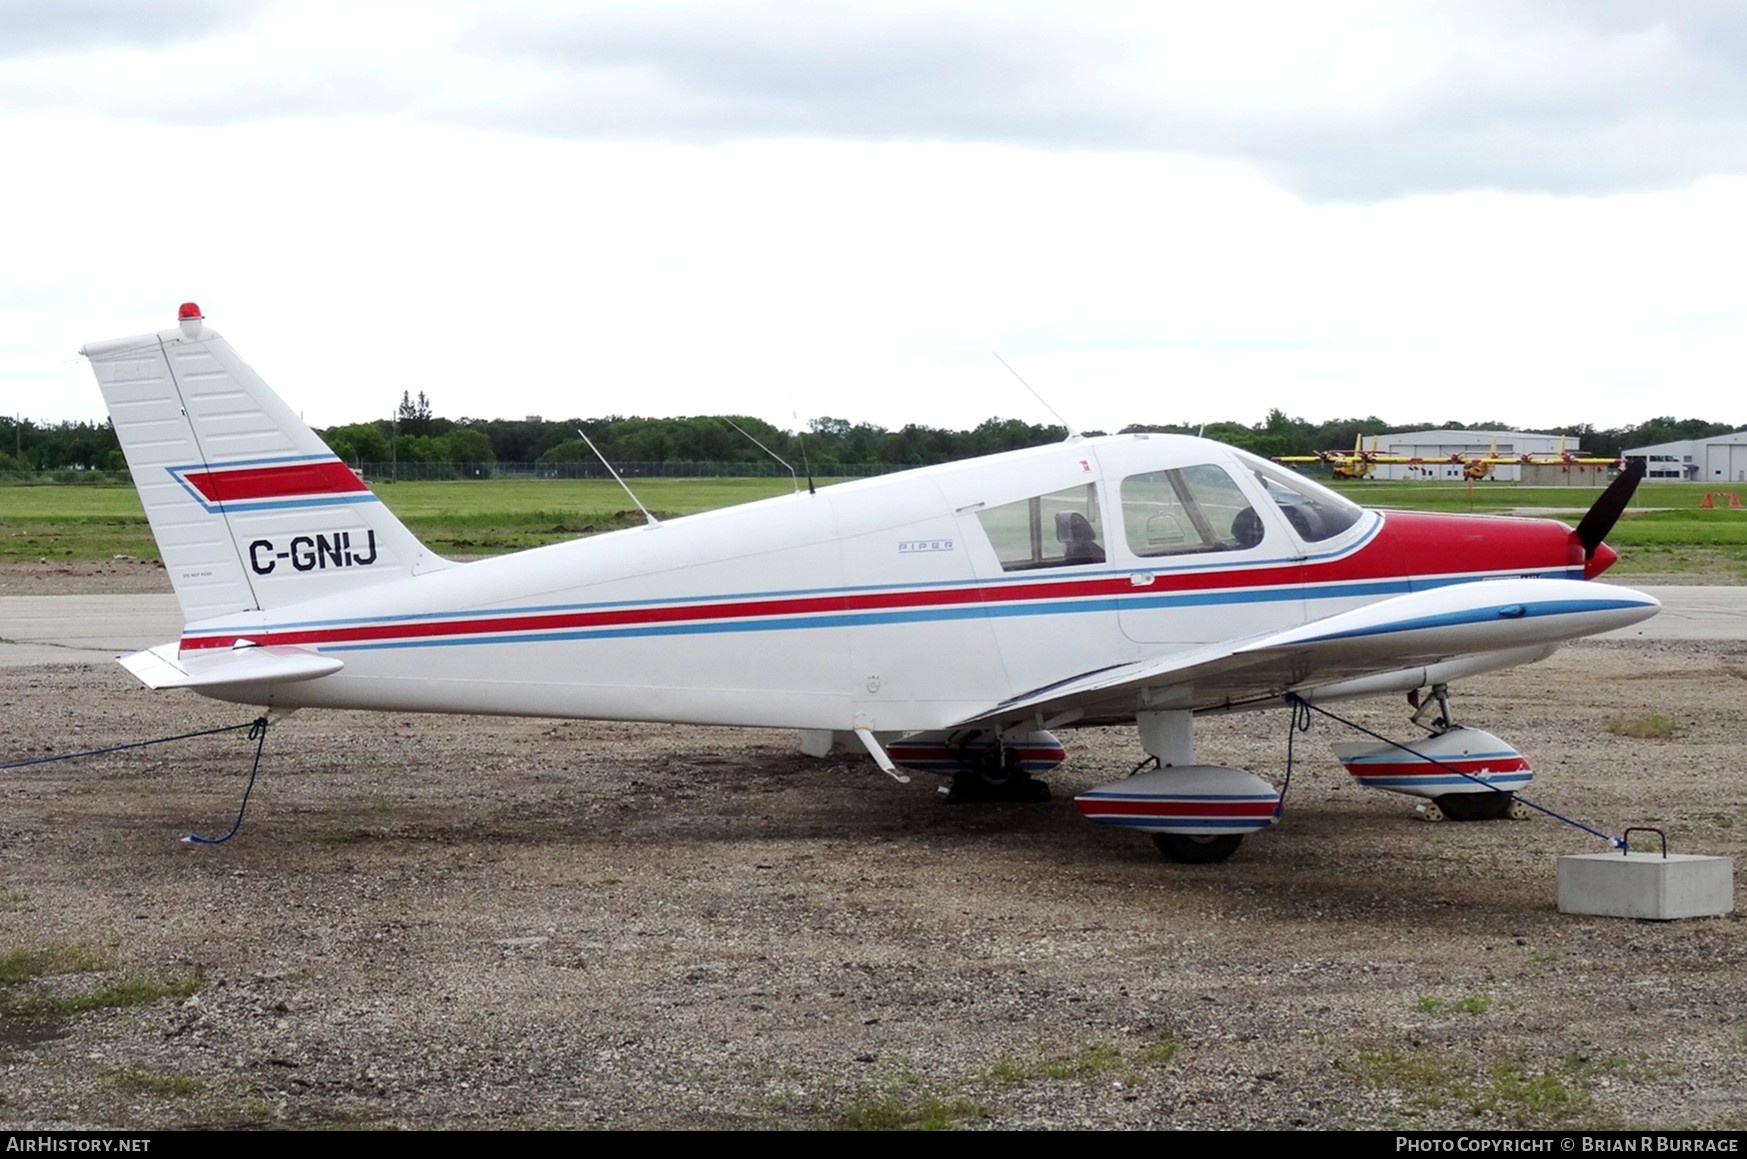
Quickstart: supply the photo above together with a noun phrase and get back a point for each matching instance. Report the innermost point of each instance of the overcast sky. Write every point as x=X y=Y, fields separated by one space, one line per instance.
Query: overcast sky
x=1528 y=210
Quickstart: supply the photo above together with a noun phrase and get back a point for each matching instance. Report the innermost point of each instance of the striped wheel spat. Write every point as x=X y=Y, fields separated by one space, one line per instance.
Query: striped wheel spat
x=1196 y=799
x=938 y=752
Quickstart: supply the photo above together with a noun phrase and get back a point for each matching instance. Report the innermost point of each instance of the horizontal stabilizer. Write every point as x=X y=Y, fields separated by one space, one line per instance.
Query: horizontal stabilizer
x=165 y=667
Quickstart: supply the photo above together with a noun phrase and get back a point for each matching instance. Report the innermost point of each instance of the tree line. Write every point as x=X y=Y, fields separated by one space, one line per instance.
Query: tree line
x=477 y=446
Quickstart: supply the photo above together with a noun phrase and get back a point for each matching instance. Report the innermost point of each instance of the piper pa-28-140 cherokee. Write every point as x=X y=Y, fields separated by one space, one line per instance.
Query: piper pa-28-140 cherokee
x=945 y=618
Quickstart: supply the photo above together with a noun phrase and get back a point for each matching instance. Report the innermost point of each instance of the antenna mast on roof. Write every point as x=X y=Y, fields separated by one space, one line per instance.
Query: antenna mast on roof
x=1073 y=431
x=771 y=453
x=652 y=521
x=801 y=438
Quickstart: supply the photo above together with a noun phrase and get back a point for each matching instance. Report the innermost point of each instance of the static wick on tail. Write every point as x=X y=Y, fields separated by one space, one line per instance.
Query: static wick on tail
x=1073 y=431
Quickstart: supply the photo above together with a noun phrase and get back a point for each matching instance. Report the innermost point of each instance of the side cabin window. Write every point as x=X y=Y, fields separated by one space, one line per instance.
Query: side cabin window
x=1186 y=510
x=1059 y=529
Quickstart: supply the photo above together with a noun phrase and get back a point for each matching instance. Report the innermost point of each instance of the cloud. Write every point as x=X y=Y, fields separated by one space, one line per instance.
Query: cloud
x=58 y=26
x=1349 y=100
x=726 y=72
x=1357 y=102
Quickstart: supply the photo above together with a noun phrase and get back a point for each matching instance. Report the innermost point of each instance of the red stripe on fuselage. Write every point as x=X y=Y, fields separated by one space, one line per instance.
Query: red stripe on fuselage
x=331 y=477
x=1408 y=544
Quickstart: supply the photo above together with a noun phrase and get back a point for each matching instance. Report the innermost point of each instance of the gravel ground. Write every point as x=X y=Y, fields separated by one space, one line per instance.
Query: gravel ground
x=455 y=922
x=117 y=576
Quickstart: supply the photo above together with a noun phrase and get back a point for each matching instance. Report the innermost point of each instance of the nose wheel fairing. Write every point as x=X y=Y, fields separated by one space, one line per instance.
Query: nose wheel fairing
x=1468 y=773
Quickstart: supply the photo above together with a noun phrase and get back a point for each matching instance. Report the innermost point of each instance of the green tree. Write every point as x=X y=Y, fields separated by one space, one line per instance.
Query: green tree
x=414 y=416
x=471 y=448
x=358 y=443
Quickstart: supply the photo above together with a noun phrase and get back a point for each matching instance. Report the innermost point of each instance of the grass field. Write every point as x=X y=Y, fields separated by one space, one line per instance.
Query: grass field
x=1670 y=534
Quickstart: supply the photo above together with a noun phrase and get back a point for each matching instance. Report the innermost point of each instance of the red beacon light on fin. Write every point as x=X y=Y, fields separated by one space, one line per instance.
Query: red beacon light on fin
x=189 y=317
x=188 y=310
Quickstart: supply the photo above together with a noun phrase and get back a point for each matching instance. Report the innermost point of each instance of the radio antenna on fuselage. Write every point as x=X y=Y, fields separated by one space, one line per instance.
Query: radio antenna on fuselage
x=801 y=437
x=771 y=453
x=1073 y=431
x=653 y=522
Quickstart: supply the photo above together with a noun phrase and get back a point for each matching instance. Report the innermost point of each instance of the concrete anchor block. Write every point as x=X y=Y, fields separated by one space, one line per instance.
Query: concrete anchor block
x=1651 y=886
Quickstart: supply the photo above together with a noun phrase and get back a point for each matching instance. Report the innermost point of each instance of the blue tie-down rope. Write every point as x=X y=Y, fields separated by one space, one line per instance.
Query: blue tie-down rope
x=1299 y=703
x=257 y=733
x=1300 y=723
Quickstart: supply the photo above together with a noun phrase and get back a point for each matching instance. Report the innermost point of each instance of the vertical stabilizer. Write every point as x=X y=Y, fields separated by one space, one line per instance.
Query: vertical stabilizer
x=250 y=509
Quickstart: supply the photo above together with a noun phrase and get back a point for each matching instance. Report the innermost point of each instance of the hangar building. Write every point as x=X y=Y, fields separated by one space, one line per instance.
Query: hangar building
x=1718 y=459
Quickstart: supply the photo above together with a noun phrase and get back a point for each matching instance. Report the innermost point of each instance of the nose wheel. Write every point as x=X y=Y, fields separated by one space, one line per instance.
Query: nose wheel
x=972 y=785
x=1495 y=806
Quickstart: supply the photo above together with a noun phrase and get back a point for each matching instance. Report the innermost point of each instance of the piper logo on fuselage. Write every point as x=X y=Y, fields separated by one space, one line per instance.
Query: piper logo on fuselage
x=313 y=553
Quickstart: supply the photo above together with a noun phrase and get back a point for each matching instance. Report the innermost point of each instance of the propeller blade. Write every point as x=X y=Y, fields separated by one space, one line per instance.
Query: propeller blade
x=1600 y=519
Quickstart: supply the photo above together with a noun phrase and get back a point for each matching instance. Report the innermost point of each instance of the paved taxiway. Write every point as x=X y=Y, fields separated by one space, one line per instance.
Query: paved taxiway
x=96 y=629
x=83 y=629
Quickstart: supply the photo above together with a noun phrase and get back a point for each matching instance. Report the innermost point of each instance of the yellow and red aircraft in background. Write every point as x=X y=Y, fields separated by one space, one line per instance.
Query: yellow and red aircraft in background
x=1360 y=462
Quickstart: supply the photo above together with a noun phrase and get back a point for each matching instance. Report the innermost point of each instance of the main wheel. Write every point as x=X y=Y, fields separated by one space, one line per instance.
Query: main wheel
x=1193 y=849
x=1493 y=806
x=970 y=785
x=997 y=775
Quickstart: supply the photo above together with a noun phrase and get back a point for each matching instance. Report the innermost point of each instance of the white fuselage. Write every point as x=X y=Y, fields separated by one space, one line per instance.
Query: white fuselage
x=880 y=604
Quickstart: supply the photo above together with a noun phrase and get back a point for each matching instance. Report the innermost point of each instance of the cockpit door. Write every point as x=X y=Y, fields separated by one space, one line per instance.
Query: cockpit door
x=1207 y=553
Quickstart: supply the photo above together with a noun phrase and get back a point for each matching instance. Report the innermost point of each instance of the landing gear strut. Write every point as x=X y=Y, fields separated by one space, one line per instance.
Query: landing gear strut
x=1437 y=701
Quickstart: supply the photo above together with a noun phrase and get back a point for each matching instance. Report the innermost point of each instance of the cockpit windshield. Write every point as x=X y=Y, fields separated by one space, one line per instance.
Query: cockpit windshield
x=1315 y=512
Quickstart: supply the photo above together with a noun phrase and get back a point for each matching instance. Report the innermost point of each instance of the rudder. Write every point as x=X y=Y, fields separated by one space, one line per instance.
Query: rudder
x=249 y=507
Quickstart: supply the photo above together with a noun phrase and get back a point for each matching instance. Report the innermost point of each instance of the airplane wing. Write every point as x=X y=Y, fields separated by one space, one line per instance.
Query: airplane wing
x=1404 y=642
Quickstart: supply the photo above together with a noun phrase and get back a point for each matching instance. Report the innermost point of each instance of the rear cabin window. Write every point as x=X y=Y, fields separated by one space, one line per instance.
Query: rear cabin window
x=1060 y=529
x=1187 y=510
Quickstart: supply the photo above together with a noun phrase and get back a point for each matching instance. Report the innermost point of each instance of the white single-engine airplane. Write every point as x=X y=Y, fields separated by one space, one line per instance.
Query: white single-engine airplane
x=944 y=618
